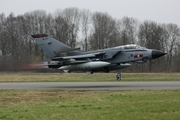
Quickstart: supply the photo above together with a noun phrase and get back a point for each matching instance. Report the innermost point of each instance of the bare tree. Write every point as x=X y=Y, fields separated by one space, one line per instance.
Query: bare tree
x=85 y=25
x=151 y=36
x=96 y=30
x=72 y=17
x=128 y=28
x=37 y=21
x=3 y=34
x=11 y=31
x=172 y=41
x=49 y=24
x=104 y=31
x=61 y=28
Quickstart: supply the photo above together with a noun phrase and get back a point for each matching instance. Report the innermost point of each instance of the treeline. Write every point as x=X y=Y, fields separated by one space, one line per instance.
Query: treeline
x=90 y=31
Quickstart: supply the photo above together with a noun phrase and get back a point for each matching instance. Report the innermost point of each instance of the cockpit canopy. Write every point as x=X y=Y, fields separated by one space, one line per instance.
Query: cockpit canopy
x=130 y=46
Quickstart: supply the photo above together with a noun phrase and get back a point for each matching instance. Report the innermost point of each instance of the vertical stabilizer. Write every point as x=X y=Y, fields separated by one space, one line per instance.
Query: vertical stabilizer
x=50 y=46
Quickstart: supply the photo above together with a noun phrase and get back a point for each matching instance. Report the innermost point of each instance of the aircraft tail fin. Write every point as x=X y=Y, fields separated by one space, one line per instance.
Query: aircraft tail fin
x=51 y=46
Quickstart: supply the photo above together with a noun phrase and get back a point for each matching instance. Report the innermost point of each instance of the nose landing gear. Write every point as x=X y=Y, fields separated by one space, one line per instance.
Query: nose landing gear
x=118 y=76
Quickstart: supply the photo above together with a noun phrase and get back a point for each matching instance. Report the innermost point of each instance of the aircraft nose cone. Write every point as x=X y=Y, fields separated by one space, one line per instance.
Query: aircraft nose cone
x=157 y=54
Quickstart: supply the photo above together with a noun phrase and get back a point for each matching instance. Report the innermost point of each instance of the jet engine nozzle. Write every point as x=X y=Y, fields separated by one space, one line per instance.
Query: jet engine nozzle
x=157 y=54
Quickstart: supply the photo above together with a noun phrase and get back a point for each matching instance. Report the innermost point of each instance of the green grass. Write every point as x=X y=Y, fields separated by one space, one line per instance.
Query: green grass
x=88 y=105
x=83 y=77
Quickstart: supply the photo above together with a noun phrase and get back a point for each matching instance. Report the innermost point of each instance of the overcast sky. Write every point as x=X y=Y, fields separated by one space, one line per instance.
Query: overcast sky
x=161 y=11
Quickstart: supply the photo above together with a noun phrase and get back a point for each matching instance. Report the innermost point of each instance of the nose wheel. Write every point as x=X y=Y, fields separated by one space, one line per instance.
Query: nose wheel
x=118 y=76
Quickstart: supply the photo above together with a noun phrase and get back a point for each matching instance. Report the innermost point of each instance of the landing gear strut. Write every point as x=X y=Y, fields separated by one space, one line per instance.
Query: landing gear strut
x=118 y=76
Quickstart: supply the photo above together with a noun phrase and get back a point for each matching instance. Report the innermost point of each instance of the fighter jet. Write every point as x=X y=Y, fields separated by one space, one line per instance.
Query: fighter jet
x=73 y=59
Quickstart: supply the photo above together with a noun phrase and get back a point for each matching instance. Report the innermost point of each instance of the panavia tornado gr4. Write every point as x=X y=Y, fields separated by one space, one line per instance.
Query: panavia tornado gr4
x=72 y=59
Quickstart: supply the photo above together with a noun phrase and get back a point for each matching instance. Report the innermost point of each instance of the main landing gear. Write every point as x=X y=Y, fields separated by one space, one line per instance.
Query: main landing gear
x=118 y=76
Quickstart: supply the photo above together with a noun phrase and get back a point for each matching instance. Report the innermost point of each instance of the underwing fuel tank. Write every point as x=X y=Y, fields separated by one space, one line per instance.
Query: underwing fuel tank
x=85 y=66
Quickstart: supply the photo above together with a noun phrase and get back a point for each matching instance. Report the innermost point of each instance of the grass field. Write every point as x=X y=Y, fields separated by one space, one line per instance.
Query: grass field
x=83 y=77
x=88 y=105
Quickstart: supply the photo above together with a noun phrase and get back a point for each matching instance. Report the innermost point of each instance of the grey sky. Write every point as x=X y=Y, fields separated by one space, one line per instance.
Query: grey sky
x=161 y=11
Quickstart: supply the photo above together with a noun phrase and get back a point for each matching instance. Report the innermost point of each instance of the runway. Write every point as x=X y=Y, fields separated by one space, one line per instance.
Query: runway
x=92 y=86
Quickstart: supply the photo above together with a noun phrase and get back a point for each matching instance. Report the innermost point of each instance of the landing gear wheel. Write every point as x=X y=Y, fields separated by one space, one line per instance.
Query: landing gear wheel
x=118 y=76
x=89 y=72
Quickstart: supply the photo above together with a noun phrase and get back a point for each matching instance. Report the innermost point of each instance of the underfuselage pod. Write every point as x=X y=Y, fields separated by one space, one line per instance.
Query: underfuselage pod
x=85 y=66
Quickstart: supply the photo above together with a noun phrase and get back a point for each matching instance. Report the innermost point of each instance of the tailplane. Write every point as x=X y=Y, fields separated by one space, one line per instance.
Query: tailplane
x=51 y=46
